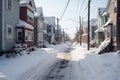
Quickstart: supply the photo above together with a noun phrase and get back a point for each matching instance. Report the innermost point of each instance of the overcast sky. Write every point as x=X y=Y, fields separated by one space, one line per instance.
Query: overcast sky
x=56 y=7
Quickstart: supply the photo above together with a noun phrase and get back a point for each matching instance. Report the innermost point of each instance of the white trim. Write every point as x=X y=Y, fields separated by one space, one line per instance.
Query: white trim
x=6 y=5
x=3 y=45
x=9 y=36
x=18 y=30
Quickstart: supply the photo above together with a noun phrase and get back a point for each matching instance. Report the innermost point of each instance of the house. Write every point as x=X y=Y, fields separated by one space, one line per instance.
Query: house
x=25 y=28
x=102 y=18
x=39 y=28
x=9 y=18
x=93 y=25
x=50 y=24
x=112 y=30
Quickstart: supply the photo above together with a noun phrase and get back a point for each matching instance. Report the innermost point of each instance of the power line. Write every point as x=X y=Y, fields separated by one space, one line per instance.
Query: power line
x=65 y=9
x=86 y=10
x=82 y=5
x=77 y=6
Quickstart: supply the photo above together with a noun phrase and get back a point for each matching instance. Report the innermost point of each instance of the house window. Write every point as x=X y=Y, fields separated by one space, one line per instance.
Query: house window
x=9 y=32
x=115 y=6
x=108 y=32
x=113 y=31
x=19 y=35
x=9 y=4
x=30 y=16
x=28 y=35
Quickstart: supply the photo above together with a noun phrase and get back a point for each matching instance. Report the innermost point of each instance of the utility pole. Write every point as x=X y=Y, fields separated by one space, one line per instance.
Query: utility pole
x=63 y=36
x=80 y=29
x=77 y=34
x=88 y=24
x=58 y=30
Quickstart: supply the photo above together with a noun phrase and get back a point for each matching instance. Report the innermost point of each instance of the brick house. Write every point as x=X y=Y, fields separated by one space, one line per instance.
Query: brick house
x=112 y=25
x=25 y=28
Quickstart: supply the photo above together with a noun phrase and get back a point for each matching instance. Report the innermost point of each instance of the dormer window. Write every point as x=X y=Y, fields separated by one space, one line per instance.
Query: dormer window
x=9 y=4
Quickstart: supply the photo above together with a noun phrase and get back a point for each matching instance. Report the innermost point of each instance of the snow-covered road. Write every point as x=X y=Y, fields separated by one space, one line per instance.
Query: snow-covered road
x=61 y=67
x=62 y=62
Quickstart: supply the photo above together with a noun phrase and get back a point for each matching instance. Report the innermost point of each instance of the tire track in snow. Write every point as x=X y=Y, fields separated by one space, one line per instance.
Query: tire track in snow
x=56 y=71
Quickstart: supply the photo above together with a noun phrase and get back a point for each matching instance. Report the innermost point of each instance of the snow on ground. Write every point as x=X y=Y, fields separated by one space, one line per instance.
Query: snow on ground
x=91 y=66
x=14 y=67
x=62 y=62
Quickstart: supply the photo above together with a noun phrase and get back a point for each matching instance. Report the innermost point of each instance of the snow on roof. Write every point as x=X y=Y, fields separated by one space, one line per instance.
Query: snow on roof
x=38 y=12
x=102 y=10
x=99 y=30
x=24 y=24
x=107 y=23
x=85 y=34
x=105 y=13
x=24 y=2
x=50 y=20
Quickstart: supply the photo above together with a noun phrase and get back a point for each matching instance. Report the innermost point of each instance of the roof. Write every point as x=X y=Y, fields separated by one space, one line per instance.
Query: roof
x=38 y=12
x=24 y=24
x=108 y=22
x=26 y=2
x=102 y=10
x=108 y=3
x=99 y=30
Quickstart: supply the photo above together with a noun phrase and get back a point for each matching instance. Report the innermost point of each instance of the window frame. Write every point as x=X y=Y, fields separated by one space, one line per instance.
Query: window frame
x=9 y=35
x=9 y=4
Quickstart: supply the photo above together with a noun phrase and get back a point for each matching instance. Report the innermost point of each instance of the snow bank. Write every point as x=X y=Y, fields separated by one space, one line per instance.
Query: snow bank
x=14 y=67
x=3 y=77
x=103 y=45
x=96 y=67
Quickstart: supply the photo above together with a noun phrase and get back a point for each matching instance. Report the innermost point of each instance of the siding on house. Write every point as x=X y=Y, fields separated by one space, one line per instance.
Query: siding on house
x=11 y=17
x=1 y=24
x=36 y=32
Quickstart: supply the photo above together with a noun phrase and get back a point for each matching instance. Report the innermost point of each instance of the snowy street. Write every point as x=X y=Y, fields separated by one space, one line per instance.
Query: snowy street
x=62 y=62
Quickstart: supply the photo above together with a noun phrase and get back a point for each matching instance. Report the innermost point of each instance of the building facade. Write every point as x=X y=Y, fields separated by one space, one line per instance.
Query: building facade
x=111 y=31
x=101 y=20
x=25 y=28
x=9 y=13
x=50 y=24
x=39 y=28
